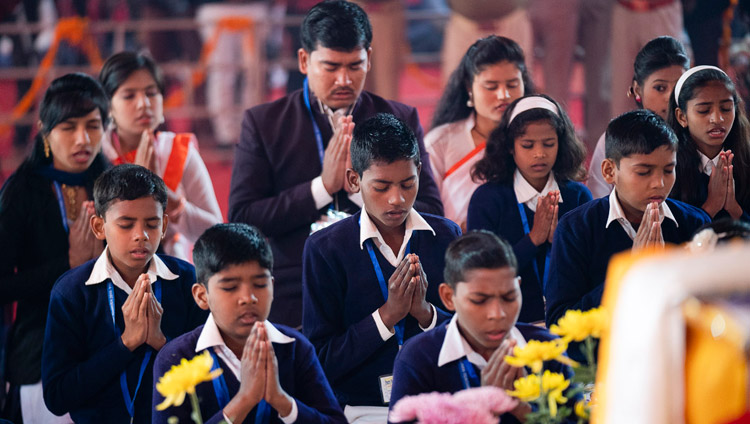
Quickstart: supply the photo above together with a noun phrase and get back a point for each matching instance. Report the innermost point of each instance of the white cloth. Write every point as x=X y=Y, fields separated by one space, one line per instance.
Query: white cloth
x=527 y=194
x=596 y=184
x=104 y=270
x=33 y=409
x=448 y=144
x=617 y=214
x=366 y=414
x=456 y=347
x=368 y=230
x=708 y=165
x=210 y=337
x=201 y=207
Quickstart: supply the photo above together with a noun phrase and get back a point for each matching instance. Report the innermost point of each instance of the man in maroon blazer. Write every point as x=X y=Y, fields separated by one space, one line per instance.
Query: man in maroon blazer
x=293 y=153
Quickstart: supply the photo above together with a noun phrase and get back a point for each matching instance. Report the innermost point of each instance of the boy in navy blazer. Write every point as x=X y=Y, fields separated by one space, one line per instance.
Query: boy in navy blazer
x=641 y=153
x=270 y=371
x=369 y=281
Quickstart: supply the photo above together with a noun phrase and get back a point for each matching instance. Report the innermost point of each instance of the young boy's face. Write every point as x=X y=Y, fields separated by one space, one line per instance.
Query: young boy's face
x=133 y=230
x=388 y=191
x=487 y=305
x=641 y=179
x=237 y=296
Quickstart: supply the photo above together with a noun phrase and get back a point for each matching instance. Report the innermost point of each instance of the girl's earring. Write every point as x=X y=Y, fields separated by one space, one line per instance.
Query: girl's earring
x=470 y=103
x=45 y=142
x=637 y=98
x=112 y=120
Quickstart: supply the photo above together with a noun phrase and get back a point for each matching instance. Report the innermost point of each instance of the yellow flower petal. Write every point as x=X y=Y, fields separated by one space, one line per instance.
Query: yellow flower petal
x=183 y=377
x=581 y=410
x=536 y=352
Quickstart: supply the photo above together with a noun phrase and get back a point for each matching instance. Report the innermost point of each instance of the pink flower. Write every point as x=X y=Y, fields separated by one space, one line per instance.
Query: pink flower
x=482 y=405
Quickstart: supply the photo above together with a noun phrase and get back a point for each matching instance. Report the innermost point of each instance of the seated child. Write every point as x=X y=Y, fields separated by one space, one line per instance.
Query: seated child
x=641 y=154
x=270 y=371
x=108 y=316
x=531 y=172
x=367 y=278
x=482 y=287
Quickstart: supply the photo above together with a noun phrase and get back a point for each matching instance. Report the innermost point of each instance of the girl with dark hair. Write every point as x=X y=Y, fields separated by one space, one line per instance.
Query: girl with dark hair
x=135 y=88
x=713 y=159
x=530 y=172
x=45 y=209
x=657 y=67
x=490 y=76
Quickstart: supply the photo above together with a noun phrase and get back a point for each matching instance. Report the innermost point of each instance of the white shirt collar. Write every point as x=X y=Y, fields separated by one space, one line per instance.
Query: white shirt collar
x=617 y=214
x=104 y=270
x=368 y=230
x=456 y=347
x=708 y=165
x=527 y=194
x=211 y=337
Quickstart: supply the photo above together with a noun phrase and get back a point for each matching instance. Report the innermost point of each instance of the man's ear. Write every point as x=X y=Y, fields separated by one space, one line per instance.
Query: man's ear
x=164 y=224
x=200 y=295
x=609 y=170
x=302 y=58
x=446 y=295
x=97 y=227
x=369 y=58
x=352 y=180
x=681 y=117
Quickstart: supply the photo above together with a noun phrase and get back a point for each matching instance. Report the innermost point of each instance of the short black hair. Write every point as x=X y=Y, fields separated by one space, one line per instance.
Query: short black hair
x=127 y=182
x=224 y=245
x=338 y=25
x=637 y=132
x=476 y=250
x=118 y=68
x=382 y=138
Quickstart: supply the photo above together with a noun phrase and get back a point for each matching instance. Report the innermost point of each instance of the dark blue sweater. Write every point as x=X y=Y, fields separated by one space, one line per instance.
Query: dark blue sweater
x=416 y=371
x=340 y=293
x=494 y=207
x=300 y=376
x=83 y=358
x=583 y=246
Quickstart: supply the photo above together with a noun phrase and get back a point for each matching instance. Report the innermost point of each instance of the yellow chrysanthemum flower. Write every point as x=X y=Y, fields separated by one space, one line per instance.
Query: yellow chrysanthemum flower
x=182 y=378
x=552 y=385
x=582 y=410
x=526 y=388
x=577 y=326
x=535 y=353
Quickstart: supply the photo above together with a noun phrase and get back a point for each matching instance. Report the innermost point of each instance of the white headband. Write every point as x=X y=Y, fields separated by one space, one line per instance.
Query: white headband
x=532 y=102
x=688 y=74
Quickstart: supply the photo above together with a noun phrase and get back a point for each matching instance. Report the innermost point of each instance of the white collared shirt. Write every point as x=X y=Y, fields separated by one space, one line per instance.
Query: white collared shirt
x=456 y=347
x=617 y=214
x=368 y=230
x=708 y=165
x=210 y=337
x=527 y=194
x=104 y=270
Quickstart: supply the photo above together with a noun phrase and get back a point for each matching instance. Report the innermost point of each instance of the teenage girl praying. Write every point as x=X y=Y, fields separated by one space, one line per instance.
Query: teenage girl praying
x=531 y=172
x=713 y=159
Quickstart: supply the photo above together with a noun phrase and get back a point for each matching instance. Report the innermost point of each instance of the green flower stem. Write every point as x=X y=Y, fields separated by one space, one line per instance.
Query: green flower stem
x=196 y=415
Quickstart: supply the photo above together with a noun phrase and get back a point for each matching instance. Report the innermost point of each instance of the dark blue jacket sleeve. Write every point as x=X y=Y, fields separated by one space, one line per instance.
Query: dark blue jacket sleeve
x=69 y=376
x=316 y=402
x=340 y=348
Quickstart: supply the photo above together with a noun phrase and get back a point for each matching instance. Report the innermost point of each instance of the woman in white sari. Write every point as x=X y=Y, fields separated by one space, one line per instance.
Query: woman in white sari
x=491 y=75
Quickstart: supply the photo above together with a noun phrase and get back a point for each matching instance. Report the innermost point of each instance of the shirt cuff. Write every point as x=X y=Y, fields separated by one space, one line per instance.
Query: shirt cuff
x=292 y=417
x=319 y=193
x=385 y=333
x=434 y=319
x=227 y=418
x=356 y=198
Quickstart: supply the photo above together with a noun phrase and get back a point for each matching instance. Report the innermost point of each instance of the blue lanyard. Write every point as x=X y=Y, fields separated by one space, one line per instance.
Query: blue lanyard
x=469 y=376
x=129 y=402
x=316 y=129
x=526 y=231
x=263 y=411
x=399 y=328
x=61 y=204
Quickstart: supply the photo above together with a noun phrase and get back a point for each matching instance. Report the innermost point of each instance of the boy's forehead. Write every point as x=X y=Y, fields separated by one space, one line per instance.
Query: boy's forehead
x=249 y=269
x=661 y=156
x=397 y=170
x=143 y=206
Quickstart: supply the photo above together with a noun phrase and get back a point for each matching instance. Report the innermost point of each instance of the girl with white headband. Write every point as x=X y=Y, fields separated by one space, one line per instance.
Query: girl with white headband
x=713 y=159
x=530 y=172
